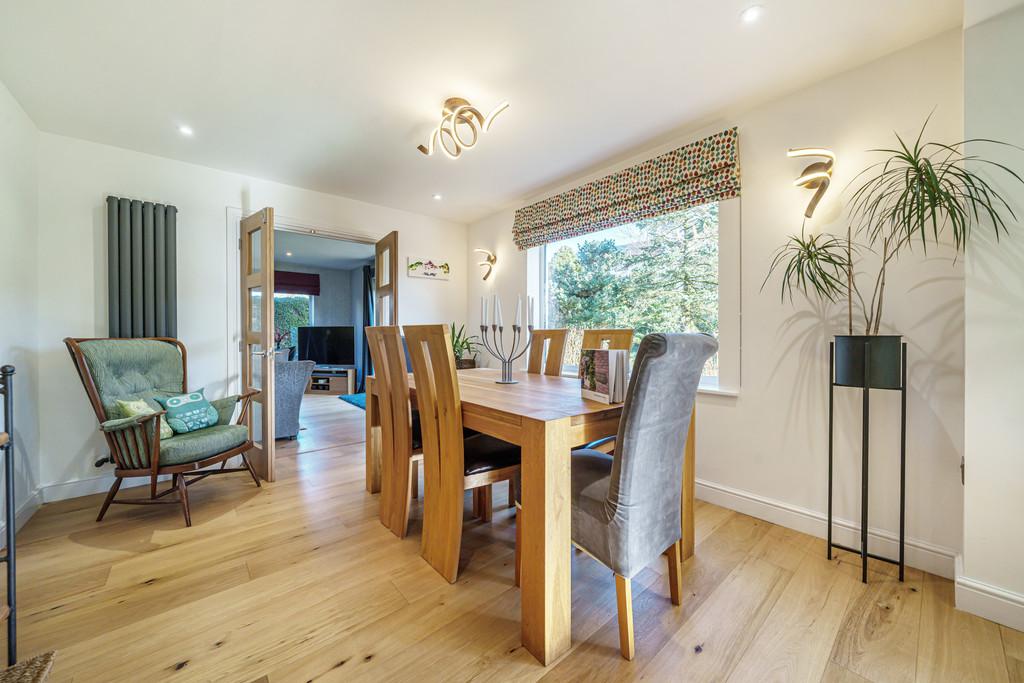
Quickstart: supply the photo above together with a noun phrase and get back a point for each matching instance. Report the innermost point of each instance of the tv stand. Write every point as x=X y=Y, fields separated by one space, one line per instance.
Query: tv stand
x=332 y=380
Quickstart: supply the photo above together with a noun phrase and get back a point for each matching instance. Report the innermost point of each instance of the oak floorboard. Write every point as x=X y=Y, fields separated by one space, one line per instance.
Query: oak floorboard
x=299 y=581
x=955 y=645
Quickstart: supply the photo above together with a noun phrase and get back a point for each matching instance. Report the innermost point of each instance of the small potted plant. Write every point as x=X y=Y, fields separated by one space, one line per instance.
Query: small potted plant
x=908 y=198
x=464 y=348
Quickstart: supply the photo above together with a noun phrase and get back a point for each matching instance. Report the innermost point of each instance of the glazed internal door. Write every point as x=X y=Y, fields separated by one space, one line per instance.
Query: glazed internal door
x=256 y=267
x=386 y=304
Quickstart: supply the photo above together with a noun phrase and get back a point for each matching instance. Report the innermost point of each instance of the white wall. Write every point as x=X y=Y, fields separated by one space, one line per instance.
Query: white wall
x=992 y=579
x=765 y=452
x=75 y=176
x=19 y=311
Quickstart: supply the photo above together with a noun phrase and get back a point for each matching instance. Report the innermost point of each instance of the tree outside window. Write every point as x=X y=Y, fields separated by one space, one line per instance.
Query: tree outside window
x=655 y=275
x=291 y=311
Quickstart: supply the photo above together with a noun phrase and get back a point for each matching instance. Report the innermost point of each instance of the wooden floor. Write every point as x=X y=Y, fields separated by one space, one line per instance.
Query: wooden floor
x=300 y=582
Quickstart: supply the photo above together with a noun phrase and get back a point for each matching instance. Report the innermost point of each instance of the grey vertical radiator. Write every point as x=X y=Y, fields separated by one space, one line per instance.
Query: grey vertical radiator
x=7 y=445
x=141 y=268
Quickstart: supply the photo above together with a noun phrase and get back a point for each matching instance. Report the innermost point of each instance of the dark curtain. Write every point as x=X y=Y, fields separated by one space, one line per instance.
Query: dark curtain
x=287 y=282
x=368 y=300
x=142 y=288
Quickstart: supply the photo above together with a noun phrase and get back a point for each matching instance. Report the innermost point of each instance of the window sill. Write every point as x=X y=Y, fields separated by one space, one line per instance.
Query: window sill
x=708 y=386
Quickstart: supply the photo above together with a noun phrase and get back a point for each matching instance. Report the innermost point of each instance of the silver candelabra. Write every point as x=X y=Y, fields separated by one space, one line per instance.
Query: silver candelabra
x=495 y=344
x=496 y=347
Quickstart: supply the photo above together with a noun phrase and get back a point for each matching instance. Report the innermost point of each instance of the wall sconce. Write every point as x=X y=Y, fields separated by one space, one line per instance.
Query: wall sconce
x=817 y=176
x=489 y=260
x=458 y=112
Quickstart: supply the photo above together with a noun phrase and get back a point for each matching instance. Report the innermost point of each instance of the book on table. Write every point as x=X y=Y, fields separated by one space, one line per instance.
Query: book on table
x=604 y=374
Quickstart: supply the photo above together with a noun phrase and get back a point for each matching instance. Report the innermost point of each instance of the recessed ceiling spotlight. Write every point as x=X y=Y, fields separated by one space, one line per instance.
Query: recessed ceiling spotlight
x=751 y=14
x=185 y=130
x=287 y=253
x=437 y=197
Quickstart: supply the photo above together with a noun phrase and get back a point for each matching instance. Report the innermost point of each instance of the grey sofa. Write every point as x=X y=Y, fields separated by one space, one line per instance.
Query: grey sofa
x=290 y=380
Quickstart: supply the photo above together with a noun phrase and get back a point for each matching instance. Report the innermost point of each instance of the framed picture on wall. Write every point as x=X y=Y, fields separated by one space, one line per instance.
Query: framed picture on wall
x=432 y=269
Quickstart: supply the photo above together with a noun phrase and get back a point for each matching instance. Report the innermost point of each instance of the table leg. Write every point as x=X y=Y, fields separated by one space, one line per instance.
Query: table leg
x=373 y=452
x=689 y=479
x=546 y=538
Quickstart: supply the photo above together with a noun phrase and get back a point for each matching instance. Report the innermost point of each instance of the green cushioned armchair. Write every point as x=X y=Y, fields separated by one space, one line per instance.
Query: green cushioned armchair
x=133 y=369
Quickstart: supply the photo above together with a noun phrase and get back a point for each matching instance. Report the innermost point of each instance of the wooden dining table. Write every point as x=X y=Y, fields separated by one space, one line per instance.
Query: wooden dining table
x=547 y=417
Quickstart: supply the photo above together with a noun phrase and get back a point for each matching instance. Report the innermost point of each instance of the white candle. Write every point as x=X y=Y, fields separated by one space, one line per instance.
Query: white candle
x=497 y=311
x=483 y=310
x=519 y=311
x=529 y=311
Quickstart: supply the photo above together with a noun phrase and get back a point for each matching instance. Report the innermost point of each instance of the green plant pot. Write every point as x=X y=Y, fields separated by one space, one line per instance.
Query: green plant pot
x=886 y=360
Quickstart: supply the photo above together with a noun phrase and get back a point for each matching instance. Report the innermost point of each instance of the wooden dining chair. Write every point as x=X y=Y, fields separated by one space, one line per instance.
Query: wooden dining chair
x=625 y=509
x=552 y=341
x=616 y=339
x=399 y=446
x=452 y=461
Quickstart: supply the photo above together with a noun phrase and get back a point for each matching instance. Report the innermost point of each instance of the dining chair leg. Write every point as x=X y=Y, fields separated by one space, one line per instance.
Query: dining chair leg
x=518 y=552
x=414 y=474
x=511 y=495
x=183 y=497
x=675 y=572
x=474 y=496
x=624 y=593
x=109 y=499
x=486 y=502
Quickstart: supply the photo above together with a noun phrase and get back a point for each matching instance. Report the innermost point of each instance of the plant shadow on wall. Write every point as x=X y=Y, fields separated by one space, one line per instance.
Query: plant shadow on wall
x=918 y=195
x=913 y=197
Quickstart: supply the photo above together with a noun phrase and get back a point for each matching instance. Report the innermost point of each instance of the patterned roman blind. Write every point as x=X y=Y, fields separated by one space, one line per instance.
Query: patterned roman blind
x=704 y=171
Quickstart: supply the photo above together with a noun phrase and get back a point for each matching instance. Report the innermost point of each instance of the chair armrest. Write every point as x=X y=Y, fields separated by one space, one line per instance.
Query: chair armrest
x=135 y=441
x=123 y=423
x=225 y=407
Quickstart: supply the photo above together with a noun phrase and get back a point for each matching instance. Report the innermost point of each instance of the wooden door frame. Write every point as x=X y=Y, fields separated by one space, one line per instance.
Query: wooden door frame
x=233 y=219
x=263 y=279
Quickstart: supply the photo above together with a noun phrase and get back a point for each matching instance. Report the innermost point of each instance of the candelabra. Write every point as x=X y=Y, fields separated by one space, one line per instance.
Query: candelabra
x=496 y=347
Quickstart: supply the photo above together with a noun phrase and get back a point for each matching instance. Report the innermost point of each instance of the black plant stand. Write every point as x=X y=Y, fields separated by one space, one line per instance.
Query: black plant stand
x=866 y=388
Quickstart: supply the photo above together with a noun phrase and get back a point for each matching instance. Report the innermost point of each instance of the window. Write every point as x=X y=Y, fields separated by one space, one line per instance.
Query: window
x=656 y=275
x=290 y=312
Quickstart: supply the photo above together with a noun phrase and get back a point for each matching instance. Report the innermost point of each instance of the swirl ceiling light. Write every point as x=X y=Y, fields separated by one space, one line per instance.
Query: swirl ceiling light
x=461 y=126
x=817 y=176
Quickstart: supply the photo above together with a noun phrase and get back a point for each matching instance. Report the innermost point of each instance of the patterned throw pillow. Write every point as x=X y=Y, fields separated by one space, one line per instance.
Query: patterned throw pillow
x=189 y=412
x=140 y=407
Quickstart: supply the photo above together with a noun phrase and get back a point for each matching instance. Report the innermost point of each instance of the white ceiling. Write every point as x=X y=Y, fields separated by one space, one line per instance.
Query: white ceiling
x=335 y=96
x=318 y=252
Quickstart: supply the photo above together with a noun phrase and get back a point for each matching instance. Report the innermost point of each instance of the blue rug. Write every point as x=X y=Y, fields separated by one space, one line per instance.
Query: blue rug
x=358 y=400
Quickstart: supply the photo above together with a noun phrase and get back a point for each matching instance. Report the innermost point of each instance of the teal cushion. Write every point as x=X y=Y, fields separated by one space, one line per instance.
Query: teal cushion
x=202 y=443
x=133 y=369
x=188 y=412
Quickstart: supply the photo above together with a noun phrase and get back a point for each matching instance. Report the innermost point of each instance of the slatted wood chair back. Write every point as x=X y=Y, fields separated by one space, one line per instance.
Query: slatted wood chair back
x=392 y=380
x=440 y=406
x=616 y=339
x=551 y=363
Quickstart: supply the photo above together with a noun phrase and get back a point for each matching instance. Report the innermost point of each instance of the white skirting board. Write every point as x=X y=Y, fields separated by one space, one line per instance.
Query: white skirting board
x=988 y=601
x=920 y=554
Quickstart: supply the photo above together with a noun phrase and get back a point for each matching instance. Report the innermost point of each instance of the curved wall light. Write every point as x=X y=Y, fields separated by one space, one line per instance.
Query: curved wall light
x=489 y=260
x=817 y=176
x=459 y=118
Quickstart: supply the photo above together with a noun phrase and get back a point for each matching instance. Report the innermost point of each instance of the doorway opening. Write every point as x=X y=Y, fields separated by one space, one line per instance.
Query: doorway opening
x=325 y=292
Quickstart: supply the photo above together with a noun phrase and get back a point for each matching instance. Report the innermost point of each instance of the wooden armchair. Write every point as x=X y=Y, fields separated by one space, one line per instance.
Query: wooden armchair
x=133 y=369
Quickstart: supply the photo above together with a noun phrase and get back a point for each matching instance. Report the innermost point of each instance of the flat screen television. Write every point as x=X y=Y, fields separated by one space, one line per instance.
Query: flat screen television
x=327 y=345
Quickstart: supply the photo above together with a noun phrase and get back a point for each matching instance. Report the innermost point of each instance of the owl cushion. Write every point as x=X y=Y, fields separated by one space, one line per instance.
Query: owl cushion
x=188 y=412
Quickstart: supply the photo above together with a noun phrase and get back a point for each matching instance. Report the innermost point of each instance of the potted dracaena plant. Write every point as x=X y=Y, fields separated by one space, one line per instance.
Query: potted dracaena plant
x=464 y=348
x=911 y=197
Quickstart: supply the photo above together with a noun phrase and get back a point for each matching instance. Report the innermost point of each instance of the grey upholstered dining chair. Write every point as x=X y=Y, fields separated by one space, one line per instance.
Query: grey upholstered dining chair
x=625 y=508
